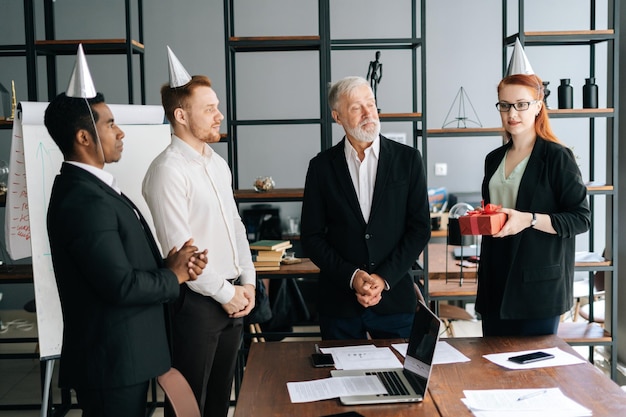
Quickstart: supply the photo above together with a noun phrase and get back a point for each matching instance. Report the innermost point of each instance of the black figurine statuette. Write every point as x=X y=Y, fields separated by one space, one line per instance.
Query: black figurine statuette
x=374 y=75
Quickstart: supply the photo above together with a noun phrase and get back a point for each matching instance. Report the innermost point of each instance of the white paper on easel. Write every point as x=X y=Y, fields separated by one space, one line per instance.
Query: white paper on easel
x=35 y=161
x=17 y=219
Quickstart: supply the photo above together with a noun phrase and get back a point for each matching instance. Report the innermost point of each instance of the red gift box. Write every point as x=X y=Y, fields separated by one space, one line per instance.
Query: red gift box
x=482 y=221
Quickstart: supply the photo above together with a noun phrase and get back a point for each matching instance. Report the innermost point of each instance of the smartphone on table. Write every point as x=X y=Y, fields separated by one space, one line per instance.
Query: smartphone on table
x=531 y=357
x=321 y=360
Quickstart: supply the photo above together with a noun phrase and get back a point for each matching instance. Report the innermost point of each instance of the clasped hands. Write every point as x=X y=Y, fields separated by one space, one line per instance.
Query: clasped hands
x=187 y=263
x=368 y=288
x=242 y=302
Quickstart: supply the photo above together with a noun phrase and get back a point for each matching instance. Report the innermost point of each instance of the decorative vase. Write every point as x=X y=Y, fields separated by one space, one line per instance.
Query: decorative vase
x=590 y=94
x=566 y=94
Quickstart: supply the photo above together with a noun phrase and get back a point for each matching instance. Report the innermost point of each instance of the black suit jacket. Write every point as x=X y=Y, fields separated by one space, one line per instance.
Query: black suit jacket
x=338 y=239
x=530 y=275
x=111 y=284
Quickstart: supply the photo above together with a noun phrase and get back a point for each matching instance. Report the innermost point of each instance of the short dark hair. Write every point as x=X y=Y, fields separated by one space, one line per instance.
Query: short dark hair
x=175 y=97
x=65 y=116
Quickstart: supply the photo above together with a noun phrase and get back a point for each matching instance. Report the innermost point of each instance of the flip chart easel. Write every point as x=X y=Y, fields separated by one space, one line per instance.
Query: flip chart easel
x=35 y=160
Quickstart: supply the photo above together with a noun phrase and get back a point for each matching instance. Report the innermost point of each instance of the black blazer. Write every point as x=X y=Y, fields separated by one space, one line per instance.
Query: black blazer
x=338 y=240
x=111 y=284
x=530 y=275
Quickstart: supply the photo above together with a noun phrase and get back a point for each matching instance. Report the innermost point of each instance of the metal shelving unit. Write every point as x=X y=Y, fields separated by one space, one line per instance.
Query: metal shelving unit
x=324 y=44
x=583 y=334
x=50 y=47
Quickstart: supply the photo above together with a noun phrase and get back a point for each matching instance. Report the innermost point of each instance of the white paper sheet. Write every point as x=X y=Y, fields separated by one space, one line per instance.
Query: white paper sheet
x=335 y=387
x=549 y=402
x=561 y=358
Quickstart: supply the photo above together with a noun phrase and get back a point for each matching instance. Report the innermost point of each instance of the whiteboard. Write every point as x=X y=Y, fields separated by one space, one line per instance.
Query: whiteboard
x=35 y=161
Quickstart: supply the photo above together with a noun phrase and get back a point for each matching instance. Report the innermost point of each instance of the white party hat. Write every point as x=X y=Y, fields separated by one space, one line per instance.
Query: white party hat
x=81 y=84
x=178 y=74
x=519 y=62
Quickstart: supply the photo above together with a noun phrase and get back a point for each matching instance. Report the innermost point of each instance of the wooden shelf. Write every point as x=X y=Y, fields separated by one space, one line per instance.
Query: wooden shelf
x=400 y=117
x=274 y=43
x=576 y=333
x=469 y=131
x=388 y=43
x=16 y=274
x=564 y=37
x=584 y=113
x=277 y=194
x=91 y=46
x=273 y=38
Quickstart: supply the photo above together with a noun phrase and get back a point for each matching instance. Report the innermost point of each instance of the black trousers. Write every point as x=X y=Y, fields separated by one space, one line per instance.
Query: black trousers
x=205 y=344
x=124 y=401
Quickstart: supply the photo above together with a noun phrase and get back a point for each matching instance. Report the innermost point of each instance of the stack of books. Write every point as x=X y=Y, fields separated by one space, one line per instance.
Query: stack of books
x=267 y=254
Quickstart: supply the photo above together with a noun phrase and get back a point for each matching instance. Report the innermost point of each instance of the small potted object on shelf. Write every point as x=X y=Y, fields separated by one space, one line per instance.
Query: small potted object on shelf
x=262 y=184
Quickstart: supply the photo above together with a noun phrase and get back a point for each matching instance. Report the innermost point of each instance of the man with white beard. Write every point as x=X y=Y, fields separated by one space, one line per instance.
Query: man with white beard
x=365 y=220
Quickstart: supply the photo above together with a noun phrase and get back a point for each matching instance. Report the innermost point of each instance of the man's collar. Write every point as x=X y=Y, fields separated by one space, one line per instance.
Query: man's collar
x=189 y=151
x=101 y=174
x=349 y=149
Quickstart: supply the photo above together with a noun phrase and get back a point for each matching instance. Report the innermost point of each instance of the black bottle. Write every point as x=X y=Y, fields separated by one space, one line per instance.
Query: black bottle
x=590 y=94
x=566 y=94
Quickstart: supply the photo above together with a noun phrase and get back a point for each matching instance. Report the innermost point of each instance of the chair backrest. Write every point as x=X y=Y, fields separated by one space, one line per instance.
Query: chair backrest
x=179 y=393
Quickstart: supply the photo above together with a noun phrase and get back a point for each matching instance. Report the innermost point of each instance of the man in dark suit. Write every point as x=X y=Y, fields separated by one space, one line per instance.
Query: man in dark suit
x=111 y=277
x=365 y=220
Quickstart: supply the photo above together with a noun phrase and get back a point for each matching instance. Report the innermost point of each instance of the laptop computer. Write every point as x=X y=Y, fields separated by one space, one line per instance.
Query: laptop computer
x=407 y=384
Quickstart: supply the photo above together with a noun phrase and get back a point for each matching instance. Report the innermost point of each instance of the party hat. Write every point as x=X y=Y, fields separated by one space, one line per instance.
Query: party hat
x=178 y=74
x=81 y=84
x=519 y=62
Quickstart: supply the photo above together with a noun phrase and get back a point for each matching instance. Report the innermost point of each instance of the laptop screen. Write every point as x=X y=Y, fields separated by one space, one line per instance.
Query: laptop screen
x=422 y=342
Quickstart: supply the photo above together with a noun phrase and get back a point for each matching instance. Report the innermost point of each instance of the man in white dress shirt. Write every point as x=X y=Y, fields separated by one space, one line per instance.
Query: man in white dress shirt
x=189 y=192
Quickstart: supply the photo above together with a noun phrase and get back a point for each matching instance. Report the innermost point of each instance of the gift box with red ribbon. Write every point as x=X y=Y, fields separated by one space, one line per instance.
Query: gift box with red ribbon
x=485 y=220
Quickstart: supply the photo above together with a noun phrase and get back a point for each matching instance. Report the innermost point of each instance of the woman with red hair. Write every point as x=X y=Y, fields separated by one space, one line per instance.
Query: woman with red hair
x=526 y=270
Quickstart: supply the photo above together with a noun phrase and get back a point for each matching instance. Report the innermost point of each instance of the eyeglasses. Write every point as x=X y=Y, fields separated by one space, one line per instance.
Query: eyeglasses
x=519 y=106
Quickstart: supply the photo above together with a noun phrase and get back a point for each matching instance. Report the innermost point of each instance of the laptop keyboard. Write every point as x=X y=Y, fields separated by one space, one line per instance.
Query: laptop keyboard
x=391 y=381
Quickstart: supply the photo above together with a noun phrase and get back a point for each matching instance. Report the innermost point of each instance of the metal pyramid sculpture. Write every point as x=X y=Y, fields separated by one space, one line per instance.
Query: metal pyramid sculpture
x=461 y=119
x=519 y=62
x=178 y=74
x=81 y=84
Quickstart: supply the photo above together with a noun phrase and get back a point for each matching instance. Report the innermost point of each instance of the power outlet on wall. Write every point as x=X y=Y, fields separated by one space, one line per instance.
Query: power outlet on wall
x=441 y=169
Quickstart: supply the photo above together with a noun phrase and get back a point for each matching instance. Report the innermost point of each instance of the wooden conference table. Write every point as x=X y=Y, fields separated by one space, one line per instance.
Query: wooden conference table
x=271 y=365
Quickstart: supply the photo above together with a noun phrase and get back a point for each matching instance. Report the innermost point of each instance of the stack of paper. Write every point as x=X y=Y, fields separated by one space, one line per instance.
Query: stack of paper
x=548 y=402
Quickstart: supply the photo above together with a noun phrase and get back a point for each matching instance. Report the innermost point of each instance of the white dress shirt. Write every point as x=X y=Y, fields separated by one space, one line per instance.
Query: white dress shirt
x=191 y=196
x=104 y=176
x=363 y=173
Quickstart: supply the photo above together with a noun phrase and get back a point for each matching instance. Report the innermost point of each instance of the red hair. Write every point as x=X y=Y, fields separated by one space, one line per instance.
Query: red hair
x=175 y=97
x=534 y=84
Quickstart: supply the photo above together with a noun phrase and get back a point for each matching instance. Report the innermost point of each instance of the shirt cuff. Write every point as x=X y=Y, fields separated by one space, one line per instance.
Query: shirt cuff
x=225 y=294
x=352 y=277
x=248 y=277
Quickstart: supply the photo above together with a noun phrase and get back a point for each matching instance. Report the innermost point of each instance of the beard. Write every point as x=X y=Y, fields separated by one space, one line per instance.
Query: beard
x=364 y=135
x=206 y=136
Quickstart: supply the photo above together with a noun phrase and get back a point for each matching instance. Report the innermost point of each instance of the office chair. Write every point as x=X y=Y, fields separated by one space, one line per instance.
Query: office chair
x=179 y=394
